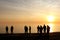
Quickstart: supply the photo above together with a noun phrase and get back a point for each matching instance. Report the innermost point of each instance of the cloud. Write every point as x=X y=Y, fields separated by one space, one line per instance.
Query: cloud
x=28 y=7
x=29 y=4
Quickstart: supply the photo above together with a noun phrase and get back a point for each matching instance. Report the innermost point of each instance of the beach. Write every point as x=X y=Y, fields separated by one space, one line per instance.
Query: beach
x=31 y=36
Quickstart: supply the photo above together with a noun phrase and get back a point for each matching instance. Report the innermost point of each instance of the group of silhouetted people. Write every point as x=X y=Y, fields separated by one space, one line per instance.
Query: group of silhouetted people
x=43 y=28
x=40 y=29
x=11 y=29
x=27 y=29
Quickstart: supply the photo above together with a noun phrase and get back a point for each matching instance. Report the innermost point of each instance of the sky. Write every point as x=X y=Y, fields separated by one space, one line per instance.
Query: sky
x=21 y=12
x=15 y=11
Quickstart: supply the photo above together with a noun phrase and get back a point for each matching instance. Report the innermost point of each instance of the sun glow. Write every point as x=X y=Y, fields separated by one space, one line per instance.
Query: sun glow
x=51 y=27
x=50 y=18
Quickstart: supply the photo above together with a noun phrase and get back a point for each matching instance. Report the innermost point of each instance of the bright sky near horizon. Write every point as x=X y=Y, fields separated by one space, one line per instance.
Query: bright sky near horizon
x=29 y=10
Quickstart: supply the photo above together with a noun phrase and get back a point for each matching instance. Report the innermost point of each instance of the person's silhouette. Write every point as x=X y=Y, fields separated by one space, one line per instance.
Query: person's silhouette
x=6 y=29
x=26 y=29
x=29 y=29
x=12 y=29
x=44 y=27
x=38 y=29
x=48 y=29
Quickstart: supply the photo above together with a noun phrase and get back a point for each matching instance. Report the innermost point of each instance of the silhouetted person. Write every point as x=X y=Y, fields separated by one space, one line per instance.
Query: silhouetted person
x=6 y=29
x=29 y=29
x=38 y=29
x=12 y=29
x=26 y=29
x=41 y=29
x=48 y=29
x=44 y=28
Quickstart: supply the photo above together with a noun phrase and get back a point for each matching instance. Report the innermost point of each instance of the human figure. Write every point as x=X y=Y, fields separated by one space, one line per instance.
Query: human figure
x=26 y=29
x=44 y=28
x=12 y=29
x=6 y=29
x=38 y=29
x=41 y=29
x=29 y=29
x=48 y=29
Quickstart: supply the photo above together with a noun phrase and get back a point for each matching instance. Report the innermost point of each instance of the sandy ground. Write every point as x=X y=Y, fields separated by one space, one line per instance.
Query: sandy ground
x=30 y=36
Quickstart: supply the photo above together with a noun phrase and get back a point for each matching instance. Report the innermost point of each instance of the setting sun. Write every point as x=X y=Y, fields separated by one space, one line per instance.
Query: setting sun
x=50 y=18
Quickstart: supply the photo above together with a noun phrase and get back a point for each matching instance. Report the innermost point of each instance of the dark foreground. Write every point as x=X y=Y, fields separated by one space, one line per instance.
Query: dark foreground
x=32 y=36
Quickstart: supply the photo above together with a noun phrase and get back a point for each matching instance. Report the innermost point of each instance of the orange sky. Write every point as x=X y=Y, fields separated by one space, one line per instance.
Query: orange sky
x=36 y=11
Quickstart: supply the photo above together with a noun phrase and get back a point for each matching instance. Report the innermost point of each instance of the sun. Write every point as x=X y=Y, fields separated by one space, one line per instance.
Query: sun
x=50 y=18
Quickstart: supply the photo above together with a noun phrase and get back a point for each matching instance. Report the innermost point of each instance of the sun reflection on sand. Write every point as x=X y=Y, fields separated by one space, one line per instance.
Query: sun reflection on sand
x=51 y=27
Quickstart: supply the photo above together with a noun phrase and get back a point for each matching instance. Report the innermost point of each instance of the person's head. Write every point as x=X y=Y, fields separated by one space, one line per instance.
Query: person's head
x=38 y=25
x=6 y=26
x=47 y=25
x=11 y=26
x=29 y=26
x=44 y=24
x=25 y=26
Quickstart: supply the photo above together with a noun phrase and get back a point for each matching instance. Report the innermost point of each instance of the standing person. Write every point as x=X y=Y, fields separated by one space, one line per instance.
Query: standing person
x=12 y=29
x=41 y=29
x=26 y=29
x=6 y=29
x=44 y=28
x=29 y=29
x=48 y=29
x=38 y=29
